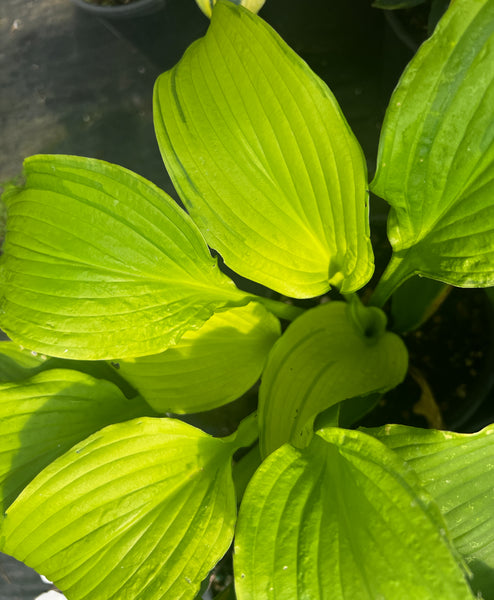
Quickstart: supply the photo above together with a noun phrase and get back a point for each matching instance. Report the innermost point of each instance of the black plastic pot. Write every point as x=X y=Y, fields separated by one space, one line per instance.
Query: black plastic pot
x=138 y=8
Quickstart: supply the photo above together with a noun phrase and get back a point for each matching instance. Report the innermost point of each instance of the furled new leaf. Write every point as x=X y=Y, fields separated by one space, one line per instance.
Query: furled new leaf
x=42 y=417
x=209 y=367
x=458 y=471
x=99 y=263
x=329 y=354
x=207 y=5
x=342 y=519
x=436 y=154
x=141 y=510
x=263 y=159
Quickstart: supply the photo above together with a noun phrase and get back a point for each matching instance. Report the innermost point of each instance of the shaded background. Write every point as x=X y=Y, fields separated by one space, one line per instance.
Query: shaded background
x=76 y=84
x=72 y=83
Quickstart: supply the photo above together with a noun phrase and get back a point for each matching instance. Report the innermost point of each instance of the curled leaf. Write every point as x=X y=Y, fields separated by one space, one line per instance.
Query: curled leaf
x=332 y=353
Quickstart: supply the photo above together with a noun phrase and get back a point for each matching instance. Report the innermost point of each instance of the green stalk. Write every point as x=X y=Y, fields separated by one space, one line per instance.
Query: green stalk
x=396 y=273
x=351 y=297
x=280 y=309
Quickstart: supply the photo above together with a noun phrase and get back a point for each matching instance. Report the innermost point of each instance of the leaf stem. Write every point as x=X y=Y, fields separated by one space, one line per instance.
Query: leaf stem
x=280 y=309
x=396 y=273
x=351 y=297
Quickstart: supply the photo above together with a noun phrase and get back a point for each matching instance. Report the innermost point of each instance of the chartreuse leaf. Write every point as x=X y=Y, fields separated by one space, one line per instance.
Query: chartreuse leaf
x=436 y=155
x=458 y=471
x=140 y=510
x=209 y=367
x=99 y=263
x=342 y=519
x=263 y=159
x=42 y=417
x=332 y=353
x=207 y=5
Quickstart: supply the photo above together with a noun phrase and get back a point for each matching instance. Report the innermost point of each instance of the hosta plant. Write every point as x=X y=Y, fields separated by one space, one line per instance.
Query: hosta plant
x=121 y=321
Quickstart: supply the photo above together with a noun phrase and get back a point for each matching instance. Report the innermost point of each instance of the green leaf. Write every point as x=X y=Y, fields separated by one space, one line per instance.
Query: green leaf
x=140 y=510
x=458 y=471
x=209 y=367
x=323 y=358
x=415 y=301
x=263 y=159
x=436 y=154
x=42 y=417
x=342 y=519
x=207 y=5
x=99 y=263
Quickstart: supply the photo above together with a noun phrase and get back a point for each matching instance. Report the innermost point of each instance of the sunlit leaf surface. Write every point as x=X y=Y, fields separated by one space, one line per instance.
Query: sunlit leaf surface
x=436 y=154
x=458 y=471
x=99 y=263
x=263 y=159
x=342 y=519
x=141 y=510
